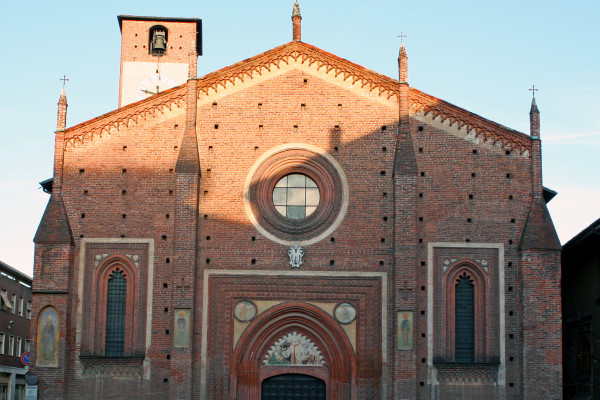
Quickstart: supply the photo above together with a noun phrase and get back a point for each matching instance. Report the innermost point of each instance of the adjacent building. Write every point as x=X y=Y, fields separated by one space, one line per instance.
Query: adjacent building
x=292 y=222
x=581 y=313
x=15 y=321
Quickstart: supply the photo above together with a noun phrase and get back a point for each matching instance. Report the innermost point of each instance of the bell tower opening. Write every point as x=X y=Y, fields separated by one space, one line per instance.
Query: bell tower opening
x=157 y=40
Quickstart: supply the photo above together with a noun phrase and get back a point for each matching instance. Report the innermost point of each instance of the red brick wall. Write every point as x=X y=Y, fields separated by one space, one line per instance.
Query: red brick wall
x=239 y=141
x=233 y=132
x=135 y=39
x=541 y=356
x=53 y=380
x=446 y=206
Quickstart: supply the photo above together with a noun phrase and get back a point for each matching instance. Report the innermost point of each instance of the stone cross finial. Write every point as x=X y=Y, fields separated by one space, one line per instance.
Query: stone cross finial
x=64 y=79
x=534 y=117
x=533 y=90
x=61 y=120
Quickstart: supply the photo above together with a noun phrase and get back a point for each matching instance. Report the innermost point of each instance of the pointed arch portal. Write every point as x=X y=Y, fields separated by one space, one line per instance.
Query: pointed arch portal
x=335 y=377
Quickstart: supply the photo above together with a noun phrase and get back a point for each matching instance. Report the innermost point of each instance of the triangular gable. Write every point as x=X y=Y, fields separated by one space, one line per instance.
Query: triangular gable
x=464 y=123
x=298 y=52
x=126 y=117
x=469 y=124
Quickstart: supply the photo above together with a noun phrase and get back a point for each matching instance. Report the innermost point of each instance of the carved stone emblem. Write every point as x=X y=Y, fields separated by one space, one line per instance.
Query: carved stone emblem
x=294 y=349
x=295 y=253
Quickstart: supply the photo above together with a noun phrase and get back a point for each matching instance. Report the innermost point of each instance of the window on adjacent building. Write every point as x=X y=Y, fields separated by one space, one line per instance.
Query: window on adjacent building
x=14 y=304
x=20 y=306
x=27 y=345
x=5 y=302
x=28 y=309
x=11 y=345
x=116 y=307
x=19 y=392
x=19 y=347
x=1 y=342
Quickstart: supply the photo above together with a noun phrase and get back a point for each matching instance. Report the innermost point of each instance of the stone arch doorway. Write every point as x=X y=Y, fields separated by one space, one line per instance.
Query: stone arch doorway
x=336 y=366
x=292 y=387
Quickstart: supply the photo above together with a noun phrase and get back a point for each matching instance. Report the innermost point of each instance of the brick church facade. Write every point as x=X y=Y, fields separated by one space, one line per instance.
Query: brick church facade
x=293 y=222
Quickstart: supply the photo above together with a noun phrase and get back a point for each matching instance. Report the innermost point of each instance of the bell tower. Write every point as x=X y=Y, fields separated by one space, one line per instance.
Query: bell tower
x=155 y=54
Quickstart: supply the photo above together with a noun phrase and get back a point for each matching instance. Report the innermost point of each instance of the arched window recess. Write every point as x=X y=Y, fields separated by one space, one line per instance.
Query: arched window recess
x=157 y=40
x=466 y=316
x=116 y=312
x=464 y=319
x=116 y=322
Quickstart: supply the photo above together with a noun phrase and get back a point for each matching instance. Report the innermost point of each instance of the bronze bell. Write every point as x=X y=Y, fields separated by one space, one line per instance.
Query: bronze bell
x=159 y=44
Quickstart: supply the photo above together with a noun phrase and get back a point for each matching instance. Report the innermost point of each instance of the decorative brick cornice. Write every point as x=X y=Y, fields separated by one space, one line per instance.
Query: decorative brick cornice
x=482 y=128
x=303 y=53
x=467 y=372
x=112 y=366
x=298 y=52
x=125 y=117
x=384 y=86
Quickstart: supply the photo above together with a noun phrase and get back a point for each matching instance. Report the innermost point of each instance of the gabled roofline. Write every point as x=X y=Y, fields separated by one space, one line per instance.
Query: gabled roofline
x=302 y=52
x=592 y=230
x=420 y=101
x=480 y=126
x=125 y=116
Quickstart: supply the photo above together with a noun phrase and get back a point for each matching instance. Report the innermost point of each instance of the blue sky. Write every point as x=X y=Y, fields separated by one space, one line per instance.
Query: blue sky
x=482 y=56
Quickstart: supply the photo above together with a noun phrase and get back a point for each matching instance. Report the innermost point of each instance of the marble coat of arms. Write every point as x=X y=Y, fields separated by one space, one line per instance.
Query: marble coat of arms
x=295 y=253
